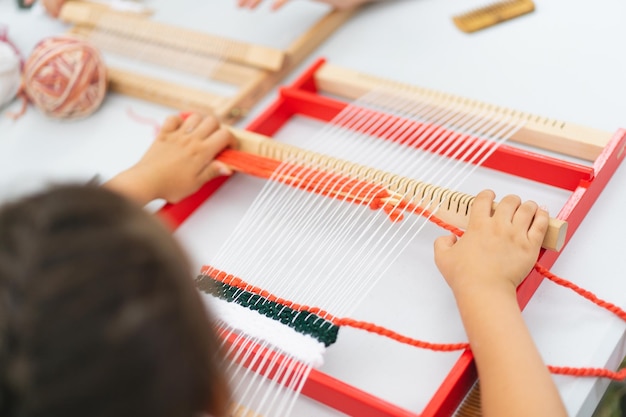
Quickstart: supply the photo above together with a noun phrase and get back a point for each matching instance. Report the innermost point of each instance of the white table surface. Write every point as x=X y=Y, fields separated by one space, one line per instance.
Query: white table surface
x=566 y=60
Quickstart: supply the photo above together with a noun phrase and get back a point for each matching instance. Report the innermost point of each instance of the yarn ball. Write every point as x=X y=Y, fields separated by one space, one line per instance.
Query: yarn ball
x=65 y=77
x=10 y=74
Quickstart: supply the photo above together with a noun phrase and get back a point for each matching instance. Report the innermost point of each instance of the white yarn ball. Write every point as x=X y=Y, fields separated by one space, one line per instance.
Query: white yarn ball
x=10 y=76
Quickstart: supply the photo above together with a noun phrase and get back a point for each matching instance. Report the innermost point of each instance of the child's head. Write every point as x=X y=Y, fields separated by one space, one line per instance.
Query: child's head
x=98 y=313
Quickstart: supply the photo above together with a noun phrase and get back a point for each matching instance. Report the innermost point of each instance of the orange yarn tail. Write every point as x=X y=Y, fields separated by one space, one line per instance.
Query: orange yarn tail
x=582 y=292
x=21 y=93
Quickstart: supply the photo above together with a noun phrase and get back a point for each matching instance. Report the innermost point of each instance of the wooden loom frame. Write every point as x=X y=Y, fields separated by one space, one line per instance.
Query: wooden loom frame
x=604 y=151
x=254 y=69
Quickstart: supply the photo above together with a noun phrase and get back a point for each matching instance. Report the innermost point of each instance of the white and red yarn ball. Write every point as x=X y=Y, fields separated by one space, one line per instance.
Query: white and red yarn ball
x=65 y=77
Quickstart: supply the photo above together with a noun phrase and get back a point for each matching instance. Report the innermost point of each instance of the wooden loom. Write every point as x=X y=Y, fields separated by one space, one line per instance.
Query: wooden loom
x=601 y=153
x=253 y=69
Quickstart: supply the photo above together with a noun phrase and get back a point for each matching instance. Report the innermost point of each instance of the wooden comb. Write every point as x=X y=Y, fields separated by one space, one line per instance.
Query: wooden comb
x=492 y=14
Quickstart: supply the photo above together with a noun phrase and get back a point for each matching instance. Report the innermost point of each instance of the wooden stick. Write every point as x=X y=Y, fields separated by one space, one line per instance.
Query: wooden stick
x=540 y=132
x=453 y=207
x=185 y=61
x=163 y=92
x=173 y=37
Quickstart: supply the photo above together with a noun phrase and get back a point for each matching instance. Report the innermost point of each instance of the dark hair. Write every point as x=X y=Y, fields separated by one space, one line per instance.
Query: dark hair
x=98 y=313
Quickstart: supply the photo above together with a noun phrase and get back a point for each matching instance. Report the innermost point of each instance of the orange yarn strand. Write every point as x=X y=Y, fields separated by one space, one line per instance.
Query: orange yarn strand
x=589 y=372
x=582 y=292
x=382 y=331
x=329 y=184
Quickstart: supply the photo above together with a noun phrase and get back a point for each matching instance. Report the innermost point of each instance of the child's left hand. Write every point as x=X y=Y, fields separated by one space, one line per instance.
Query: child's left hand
x=179 y=161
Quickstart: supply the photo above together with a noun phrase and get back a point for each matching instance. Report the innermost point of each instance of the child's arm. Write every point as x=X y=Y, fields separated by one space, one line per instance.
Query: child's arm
x=483 y=268
x=179 y=161
x=277 y=4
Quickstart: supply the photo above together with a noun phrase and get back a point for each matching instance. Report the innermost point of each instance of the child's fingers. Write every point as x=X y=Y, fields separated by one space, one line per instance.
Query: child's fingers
x=444 y=242
x=278 y=4
x=215 y=143
x=507 y=207
x=213 y=170
x=171 y=123
x=441 y=246
x=191 y=122
x=224 y=139
x=250 y=4
x=523 y=217
x=205 y=128
x=481 y=207
x=539 y=226
x=53 y=7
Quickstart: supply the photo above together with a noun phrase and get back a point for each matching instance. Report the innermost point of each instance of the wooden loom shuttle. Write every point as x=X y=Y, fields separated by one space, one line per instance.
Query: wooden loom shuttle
x=540 y=132
x=173 y=37
x=451 y=206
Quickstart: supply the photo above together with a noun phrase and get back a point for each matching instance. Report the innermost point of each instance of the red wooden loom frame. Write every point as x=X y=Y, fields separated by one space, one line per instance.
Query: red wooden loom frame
x=584 y=182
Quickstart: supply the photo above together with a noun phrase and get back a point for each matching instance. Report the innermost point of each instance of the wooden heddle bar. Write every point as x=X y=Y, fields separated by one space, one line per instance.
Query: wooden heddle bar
x=253 y=69
x=451 y=206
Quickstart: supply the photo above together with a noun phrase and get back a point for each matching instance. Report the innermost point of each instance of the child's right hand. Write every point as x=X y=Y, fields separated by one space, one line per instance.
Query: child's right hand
x=497 y=250
x=179 y=161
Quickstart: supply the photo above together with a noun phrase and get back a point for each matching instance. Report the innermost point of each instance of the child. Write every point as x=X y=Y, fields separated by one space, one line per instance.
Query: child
x=98 y=313
x=99 y=316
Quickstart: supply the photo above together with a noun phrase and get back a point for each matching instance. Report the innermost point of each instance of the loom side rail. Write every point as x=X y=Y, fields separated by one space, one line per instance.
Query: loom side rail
x=539 y=132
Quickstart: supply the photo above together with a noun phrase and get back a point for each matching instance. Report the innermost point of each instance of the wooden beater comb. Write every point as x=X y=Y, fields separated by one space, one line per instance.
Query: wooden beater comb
x=492 y=14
